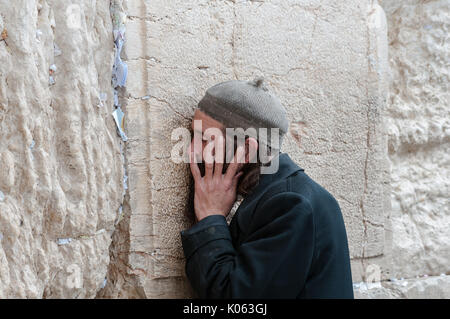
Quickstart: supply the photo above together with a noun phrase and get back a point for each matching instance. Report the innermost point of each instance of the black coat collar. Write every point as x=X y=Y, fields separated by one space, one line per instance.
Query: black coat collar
x=286 y=168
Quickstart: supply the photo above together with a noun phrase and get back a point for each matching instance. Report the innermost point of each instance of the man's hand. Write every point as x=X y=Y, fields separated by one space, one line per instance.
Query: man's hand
x=215 y=193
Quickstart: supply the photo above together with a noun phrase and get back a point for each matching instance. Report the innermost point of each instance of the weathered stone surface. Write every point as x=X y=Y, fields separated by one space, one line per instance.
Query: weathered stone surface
x=60 y=166
x=418 y=146
x=331 y=81
x=419 y=136
x=61 y=169
x=437 y=287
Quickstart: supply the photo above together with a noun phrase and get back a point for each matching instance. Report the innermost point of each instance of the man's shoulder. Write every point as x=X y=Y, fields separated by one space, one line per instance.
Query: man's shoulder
x=293 y=178
x=284 y=192
x=301 y=184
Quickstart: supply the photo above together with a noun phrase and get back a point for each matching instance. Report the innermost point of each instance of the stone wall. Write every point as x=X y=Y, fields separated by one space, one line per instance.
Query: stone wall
x=83 y=214
x=60 y=165
x=419 y=143
x=328 y=65
x=419 y=136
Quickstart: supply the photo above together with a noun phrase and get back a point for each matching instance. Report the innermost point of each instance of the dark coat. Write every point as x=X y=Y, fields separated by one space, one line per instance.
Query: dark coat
x=286 y=240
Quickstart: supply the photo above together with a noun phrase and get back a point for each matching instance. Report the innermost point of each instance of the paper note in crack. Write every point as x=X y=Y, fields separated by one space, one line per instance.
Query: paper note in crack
x=120 y=70
x=64 y=241
x=116 y=98
x=119 y=33
x=120 y=73
x=102 y=98
x=125 y=183
x=119 y=215
x=57 y=50
x=119 y=118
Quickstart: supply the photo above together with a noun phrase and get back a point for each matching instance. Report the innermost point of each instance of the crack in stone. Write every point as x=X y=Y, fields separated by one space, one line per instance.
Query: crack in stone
x=233 y=42
x=366 y=258
x=306 y=8
x=119 y=280
x=167 y=17
x=295 y=68
x=374 y=224
x=168 y=104
x=316 y=18
x=368 y=136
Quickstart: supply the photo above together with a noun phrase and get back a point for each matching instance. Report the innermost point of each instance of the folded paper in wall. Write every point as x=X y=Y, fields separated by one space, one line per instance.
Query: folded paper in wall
x=119 y=32
x=102 y=99
x=64 y=241
x=119 y=78
x=52 y=71
x=119 y=19
x=119 y=215
x=57 y=51
x=120 y=69
x=116 y=98
x=103 y=285
x=119 y=118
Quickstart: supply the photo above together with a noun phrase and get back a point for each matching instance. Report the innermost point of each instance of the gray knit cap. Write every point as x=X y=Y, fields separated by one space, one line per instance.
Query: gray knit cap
x=246 y=104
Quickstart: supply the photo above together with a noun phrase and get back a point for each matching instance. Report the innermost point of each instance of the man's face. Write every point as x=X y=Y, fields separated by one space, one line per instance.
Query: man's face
x=207 y=122
x=209 y=127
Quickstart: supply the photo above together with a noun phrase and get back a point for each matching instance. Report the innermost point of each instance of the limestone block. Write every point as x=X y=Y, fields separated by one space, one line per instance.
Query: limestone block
x=437 y=287
x=327 y=62
x=419 y=136
x=60 y=166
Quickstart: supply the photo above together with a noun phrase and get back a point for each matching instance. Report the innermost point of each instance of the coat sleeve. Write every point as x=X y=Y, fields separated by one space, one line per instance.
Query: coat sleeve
x=272 y=263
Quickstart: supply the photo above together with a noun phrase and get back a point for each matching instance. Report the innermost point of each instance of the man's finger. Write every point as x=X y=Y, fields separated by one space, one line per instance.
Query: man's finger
x=236 y=163
x=194 y=167
x=219 y=154
x=209 y=159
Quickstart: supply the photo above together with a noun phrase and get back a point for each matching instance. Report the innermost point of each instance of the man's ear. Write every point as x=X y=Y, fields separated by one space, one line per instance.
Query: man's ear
x=251 y=150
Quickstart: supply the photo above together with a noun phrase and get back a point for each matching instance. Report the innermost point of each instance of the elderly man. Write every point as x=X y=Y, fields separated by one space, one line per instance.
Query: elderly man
x=287 y=239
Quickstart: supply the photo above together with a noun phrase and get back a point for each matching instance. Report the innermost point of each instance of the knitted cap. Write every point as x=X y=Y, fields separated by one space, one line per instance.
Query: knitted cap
x=246 y=104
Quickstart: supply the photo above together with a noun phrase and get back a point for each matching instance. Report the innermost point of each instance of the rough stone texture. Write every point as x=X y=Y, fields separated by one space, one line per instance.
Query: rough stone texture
x=61 y=169
x=437 y=287
x=331 y=81
x=419 y=136
x=60 y=166
x=418 y=139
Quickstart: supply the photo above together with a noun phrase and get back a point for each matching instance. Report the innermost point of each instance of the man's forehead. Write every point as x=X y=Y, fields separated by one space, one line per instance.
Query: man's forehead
x=202 y=121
